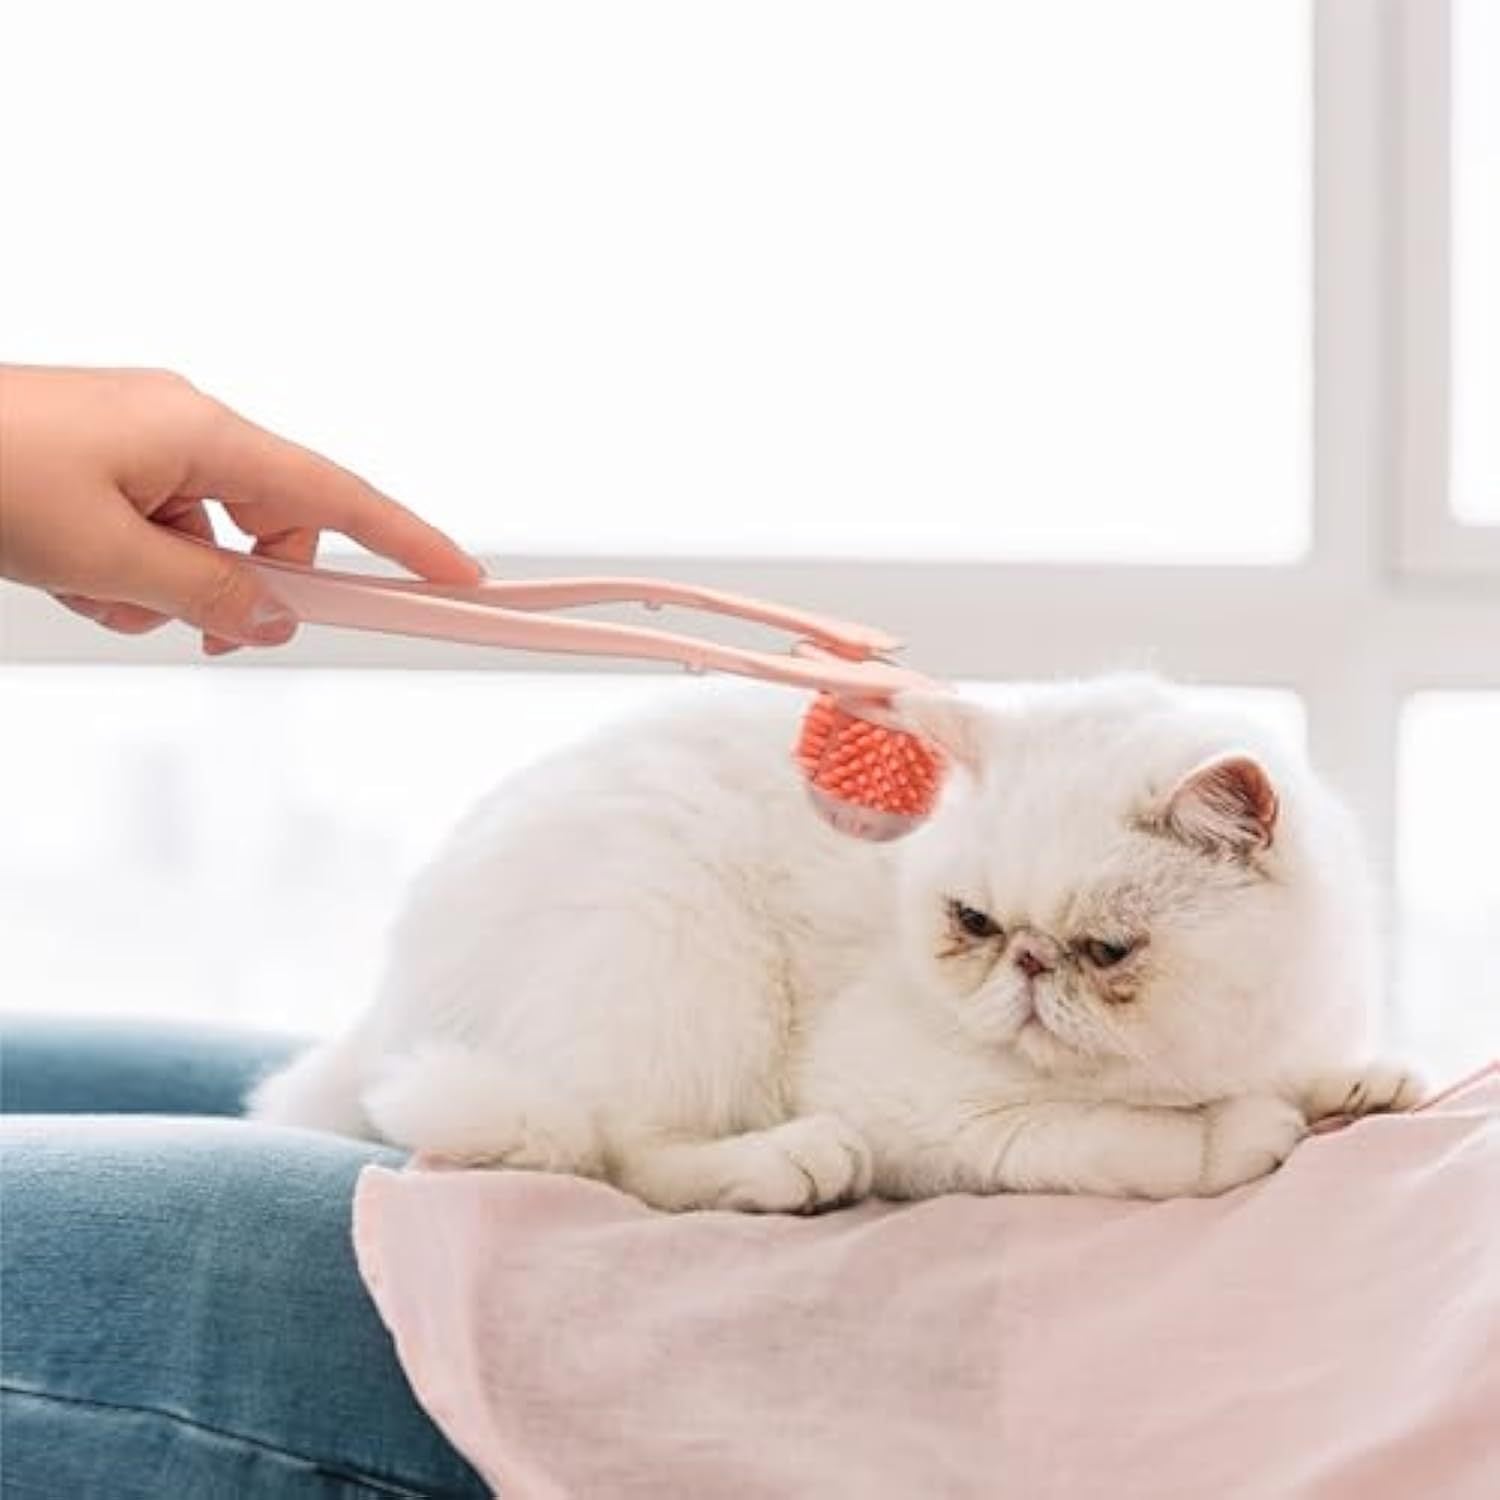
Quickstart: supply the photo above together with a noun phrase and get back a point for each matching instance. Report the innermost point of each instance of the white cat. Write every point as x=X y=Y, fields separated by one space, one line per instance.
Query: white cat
x=1132 y=953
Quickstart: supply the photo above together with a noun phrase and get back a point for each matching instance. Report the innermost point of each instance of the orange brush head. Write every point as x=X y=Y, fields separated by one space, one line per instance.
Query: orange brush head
x=866 y=777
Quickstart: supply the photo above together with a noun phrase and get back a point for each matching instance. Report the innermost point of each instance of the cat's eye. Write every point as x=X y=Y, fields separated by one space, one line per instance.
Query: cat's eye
x=1105 y=955
x=972 y=922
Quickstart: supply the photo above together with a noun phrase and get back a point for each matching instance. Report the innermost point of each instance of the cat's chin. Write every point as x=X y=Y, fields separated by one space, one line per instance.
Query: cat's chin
x=1036 y=1044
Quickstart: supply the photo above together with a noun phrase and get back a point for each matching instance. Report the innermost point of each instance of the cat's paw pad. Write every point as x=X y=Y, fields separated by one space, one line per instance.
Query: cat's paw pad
x=1377 y=1088
x=1247 y=1137
x=799 y=1167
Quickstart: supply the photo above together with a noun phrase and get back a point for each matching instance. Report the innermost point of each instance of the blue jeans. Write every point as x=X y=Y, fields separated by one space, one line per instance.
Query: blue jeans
x=181 y=1317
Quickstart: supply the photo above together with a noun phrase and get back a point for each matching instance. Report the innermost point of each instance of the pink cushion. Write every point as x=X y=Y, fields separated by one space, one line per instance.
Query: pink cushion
x=1332 y=1331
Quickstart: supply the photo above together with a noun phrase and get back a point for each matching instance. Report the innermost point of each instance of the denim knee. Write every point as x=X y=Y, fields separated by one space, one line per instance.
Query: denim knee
x=186 y=1292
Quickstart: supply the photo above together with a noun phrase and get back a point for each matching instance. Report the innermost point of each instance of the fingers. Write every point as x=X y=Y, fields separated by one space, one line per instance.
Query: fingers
x=297 y=545
x=128 y=619
x=191 y=516
x=245 y=466
x=167 y=577
x=209 y=588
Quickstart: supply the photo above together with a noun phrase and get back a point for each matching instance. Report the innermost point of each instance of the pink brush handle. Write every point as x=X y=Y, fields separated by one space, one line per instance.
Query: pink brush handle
x=843 y=637
x=446 y=612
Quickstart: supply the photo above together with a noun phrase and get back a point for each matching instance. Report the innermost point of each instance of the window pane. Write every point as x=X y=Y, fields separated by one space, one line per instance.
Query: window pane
x=1476 y=260
x=230 y=845
x=1450 y=893
x=1278 y=711
x=990 y=278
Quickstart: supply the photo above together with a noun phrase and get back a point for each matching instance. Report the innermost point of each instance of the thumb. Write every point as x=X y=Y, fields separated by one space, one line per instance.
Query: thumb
x=208 y=588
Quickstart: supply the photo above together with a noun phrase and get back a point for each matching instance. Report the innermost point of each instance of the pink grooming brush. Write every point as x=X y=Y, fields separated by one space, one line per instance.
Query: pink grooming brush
x=867 y=776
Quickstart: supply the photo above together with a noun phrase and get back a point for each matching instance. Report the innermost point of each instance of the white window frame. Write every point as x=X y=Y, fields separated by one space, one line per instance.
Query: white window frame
x=1433 y=541
x=1384 y=605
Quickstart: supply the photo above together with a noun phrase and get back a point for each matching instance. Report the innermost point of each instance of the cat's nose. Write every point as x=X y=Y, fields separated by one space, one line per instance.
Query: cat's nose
x=1030 y=962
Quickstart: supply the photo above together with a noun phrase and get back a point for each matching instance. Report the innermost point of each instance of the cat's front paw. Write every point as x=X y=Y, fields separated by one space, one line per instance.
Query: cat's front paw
x=1247 y=1137
x=1376 y=1088
x=799 y=1167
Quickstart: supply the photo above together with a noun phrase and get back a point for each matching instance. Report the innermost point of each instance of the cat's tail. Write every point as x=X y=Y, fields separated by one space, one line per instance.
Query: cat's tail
x=455 y=1101
x=318 y=1090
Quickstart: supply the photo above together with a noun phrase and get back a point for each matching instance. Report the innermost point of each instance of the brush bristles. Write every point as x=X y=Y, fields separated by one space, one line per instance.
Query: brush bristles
x=867 y=779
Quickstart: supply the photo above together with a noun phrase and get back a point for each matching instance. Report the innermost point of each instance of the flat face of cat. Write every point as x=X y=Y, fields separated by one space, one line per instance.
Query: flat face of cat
x=1094 y=914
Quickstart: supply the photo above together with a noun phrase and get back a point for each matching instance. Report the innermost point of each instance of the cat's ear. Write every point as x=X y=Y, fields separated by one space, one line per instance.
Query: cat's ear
x=961 y=730
x=1227 y=804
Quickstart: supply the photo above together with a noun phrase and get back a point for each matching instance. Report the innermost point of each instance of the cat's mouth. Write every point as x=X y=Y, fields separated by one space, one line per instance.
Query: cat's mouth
x=1030 y=1015
x=1028 y=1022
x=1032 y=1009
x=1036 y=1037
x=1036 y=1024
x=1041 y=1046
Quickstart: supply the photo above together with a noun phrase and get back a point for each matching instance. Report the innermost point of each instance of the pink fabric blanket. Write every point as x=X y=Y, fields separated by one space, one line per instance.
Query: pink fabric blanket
x=1332 y=1331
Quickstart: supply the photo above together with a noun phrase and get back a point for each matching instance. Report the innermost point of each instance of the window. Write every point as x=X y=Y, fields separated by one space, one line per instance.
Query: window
x=1053 y=337
x=1444 y=206
x=1476 y=261
x=157 y=815
x=1449 y=893
x=842 y=279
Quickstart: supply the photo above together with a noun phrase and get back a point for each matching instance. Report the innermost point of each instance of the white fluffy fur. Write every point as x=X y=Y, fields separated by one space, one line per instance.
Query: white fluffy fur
x=646 y=960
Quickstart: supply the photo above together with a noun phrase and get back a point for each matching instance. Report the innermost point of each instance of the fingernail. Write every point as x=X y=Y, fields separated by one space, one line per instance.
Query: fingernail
x=271 y=623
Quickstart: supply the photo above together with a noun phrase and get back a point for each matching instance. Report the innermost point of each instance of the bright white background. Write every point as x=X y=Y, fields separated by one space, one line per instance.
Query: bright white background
x=860 y=277
x=956 y=282
x=1476 y=259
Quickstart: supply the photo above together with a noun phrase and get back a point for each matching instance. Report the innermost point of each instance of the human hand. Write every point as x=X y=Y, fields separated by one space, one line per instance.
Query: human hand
x=104 y=475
